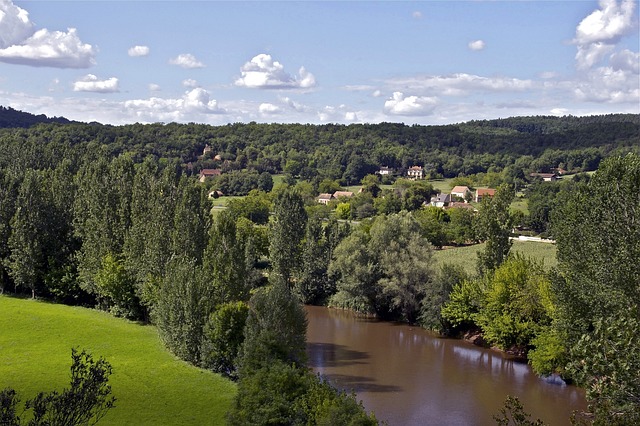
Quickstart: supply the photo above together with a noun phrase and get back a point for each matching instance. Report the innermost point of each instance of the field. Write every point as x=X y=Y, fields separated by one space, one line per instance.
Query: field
x=466 y=256
x=152 y=386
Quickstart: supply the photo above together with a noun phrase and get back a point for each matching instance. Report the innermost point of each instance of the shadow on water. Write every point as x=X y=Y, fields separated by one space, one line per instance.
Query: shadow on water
x=332 y=355
x=359 y=383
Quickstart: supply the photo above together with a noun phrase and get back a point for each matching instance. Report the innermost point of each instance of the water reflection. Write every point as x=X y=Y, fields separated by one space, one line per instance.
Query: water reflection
x=409 y=376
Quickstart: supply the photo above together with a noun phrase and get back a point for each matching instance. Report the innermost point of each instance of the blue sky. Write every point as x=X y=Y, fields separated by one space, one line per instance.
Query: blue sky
x=428 y=62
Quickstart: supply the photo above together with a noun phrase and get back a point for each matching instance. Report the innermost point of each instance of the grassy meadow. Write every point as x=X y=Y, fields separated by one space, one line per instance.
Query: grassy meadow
x=152 y=386
x=467 y=257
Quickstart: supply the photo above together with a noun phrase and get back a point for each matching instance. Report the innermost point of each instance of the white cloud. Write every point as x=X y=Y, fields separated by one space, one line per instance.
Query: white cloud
x=416 y=15
x=598 y=33
x=193 y=104
x=398 y=104
x=460 y=84
x=186 y=60
x=377 y=93
x=138 y=51
x=262 y=72
x=55 y=49
x=19 y=44
x=269 y=109
x=351 y=116
x=154 y=87
x=476 y=45
x=90 y=83
x=15 y=25
x=190 y=83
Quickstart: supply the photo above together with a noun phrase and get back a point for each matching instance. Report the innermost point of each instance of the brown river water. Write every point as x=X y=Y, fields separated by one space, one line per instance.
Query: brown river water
x=408 y=376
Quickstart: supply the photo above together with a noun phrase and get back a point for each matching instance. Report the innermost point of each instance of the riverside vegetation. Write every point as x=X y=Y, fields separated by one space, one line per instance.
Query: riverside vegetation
x=114 y=218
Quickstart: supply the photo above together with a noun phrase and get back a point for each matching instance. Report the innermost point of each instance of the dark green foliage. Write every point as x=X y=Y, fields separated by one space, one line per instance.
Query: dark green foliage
x=313 y=285
x=437 y=294
x=606 y=363
x=223 y=337
x=384 y=271
x=513 y=414
x=85 y=402
x=282 y=394
x=184 y=304
x=226 y=265
x=515 y=304
x=30 y=231
x=287 y=229
x=116 y=289
x=276 y=329
x=8 y=402
x=255 y=207
x=493 y=225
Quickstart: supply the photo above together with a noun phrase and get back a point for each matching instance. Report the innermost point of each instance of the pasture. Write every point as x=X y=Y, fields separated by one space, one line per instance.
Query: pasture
x=152 y=386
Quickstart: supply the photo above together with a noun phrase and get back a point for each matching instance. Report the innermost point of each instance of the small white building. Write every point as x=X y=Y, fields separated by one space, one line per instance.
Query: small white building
x=460 y=191
x=415 y=172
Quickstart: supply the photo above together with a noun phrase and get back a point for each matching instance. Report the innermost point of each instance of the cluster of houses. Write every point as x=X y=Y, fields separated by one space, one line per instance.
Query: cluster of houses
x=460 y=196
x=326 y=198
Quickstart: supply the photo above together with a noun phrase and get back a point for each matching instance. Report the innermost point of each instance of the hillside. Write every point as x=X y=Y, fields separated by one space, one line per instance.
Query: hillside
x=10 y=117
x=152 y=387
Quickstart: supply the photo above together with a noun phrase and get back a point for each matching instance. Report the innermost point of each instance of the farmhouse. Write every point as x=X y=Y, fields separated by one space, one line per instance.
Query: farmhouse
x=325 y=198
x=483 y=192
x=460 y=191
x=208 y=173
x=415 y=172
x=547 y=177
x=346 y=194
x=441 y=200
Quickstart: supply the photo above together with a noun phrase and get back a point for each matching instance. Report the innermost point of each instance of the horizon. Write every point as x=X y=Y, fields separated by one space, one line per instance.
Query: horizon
x=318 y=62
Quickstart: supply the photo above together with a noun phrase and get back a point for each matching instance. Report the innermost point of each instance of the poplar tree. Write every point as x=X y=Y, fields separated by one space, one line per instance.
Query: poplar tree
x=287 y=230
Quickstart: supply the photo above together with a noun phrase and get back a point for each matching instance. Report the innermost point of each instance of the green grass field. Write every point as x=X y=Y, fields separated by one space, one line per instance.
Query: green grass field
x=466 y=256
x=152 y=386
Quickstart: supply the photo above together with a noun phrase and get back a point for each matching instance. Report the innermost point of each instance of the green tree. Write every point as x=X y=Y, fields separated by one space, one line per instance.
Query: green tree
x=116 y=289
x=598 y=284
x=85 y=402
x=493 y=225
x=30 y=232
x=184 y=304
x=286 y=233
x=223 y=338
x=275 y=331
x=226 y=264
x=516 y=304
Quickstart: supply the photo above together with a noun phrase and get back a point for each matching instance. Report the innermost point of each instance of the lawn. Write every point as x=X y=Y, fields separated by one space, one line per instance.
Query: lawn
x=466 y=256
x=152 y=386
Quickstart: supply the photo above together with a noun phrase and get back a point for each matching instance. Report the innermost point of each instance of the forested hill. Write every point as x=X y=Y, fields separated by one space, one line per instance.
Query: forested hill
x=345 y=152
x=10 y=117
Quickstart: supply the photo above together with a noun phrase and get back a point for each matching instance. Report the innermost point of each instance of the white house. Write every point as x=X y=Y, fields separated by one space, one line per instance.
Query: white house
x=415 y=172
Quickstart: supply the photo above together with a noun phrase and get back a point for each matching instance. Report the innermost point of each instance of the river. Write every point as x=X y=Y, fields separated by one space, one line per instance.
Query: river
x=409 y=376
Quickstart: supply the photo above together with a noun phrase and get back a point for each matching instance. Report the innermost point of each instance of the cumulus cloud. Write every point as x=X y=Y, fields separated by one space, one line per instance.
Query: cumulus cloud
x=269 y=109
x=15 y=25
x=350 y=116
x=416 y=15
x=598 y=33
x=91 y=83
x=186 y=60
x=154 y=87
x=262 y=72
x=476 y=45
x=399 y=104
x=138 y=51
x=190 y=83
x=193 y=103
x=19 y=44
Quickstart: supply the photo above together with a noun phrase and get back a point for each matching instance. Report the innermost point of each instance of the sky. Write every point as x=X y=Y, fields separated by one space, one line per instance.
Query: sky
x=419 y=62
